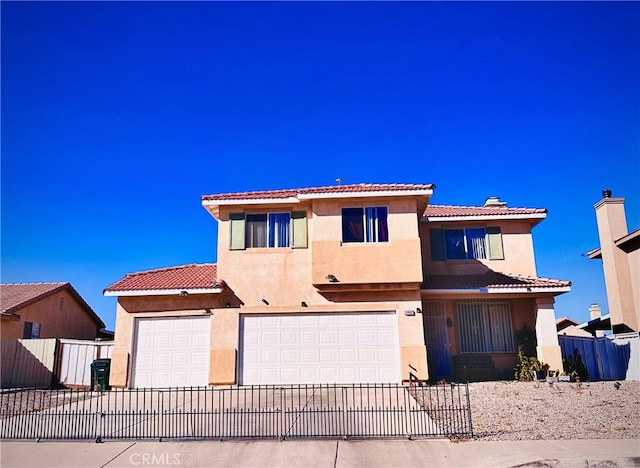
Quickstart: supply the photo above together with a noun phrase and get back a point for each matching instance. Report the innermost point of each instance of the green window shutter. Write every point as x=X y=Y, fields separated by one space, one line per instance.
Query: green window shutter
x=236 y=223
x=437 y=244
x=494 y=239
x=299 y=229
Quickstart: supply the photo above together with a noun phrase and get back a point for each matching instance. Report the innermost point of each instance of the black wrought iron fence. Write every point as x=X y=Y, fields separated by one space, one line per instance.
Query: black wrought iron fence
x=278 y=412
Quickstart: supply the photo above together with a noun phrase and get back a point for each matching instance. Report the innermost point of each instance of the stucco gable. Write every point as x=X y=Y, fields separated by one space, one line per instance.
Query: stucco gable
x=16 y=296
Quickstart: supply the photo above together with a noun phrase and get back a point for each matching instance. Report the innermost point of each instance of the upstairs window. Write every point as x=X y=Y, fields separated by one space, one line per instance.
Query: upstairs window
x=368 y=224
x=268 y=230
x=470 y=243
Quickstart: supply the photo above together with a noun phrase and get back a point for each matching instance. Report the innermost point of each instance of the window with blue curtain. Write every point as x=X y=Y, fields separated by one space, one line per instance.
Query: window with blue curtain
x=279 y=231
x=454 y=242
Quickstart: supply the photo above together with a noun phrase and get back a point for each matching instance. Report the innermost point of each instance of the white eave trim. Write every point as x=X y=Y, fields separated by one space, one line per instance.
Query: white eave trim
x=164 y=292
x=250 y=201
x=494 y=290
x=385 y=193
x=484 y=217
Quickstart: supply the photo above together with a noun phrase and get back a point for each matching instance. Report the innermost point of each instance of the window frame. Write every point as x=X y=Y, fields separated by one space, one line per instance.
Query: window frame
x=245 y=227
x=373 y=225
x=269 y=238
x=29 y=328
x=447 y=246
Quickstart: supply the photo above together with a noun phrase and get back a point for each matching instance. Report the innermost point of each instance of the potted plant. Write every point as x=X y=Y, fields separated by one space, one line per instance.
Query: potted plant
x=540 y=368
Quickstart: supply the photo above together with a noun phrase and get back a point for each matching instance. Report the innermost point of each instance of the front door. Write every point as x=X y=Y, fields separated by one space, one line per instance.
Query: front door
x=436 y=339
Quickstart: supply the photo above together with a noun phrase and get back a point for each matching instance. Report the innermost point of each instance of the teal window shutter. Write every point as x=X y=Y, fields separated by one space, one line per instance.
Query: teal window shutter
x=437 y=244
x=494 y=239
x=236 y=226
x=299 y=229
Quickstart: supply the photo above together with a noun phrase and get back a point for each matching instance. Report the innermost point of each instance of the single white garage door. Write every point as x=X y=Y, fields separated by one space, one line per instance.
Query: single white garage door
x=319 y=348
x=171 y=352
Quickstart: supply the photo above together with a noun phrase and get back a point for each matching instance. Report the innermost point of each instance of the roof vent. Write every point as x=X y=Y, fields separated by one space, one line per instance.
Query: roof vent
x=494 y=201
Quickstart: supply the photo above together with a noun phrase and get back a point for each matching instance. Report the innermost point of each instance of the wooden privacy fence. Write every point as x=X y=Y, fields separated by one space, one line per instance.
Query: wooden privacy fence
x=28 y=363
x=612 y=357
x=41 y=363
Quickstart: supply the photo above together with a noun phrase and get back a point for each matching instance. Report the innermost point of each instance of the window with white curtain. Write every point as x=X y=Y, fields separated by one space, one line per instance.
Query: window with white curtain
x=367 y=224
x=485 y=326
x=267 y=230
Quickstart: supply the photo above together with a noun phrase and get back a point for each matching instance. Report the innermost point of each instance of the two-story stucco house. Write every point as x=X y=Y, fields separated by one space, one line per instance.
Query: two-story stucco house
x=341 y=284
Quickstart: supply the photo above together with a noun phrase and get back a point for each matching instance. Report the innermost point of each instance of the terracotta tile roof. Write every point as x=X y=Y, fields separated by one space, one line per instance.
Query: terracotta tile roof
x=491 y=279
x=353 y=188
x=16 y=296
x=445 y=211
x=193 y=276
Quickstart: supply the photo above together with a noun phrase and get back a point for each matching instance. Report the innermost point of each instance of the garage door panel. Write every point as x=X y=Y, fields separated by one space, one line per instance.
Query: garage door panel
x=319 y=348
x=328 y=355
x=289 y=338
x=308 y=337
x=348 y=336
x=308 y=374
x=171 y=351
x=328 y=374
x=367 y=336
x=288 y=355
x=269 y=338
x=308 y=356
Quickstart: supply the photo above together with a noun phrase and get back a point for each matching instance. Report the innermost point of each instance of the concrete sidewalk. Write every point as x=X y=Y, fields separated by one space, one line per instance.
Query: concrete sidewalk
x=324 y=453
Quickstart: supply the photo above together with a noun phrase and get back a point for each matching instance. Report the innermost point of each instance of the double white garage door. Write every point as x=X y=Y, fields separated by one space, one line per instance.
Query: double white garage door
x=274 y=349
x=319 y=348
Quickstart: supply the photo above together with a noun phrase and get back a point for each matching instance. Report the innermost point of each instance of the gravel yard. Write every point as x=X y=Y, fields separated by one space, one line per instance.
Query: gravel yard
x=510 y=410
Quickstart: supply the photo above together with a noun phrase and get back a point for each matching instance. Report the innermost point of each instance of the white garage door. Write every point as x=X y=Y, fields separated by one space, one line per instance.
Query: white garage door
x=319 y=348
x=171 y=352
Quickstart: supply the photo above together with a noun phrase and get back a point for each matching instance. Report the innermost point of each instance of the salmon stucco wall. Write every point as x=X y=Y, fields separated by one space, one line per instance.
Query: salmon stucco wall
x=395 y=261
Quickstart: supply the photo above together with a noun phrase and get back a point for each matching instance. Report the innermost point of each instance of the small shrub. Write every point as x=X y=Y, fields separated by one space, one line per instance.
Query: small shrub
x=574 y=366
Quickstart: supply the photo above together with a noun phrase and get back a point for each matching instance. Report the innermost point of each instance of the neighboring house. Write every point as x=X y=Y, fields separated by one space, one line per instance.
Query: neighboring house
x=620 y=254
x=569 y=327
x=343 y=284
x=46 y=310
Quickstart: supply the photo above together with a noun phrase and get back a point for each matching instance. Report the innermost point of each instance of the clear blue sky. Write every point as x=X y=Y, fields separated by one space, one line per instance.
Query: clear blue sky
x=118 y=116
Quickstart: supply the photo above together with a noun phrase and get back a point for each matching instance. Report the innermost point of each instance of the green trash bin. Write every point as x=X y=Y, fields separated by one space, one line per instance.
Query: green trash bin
x=100 y=369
